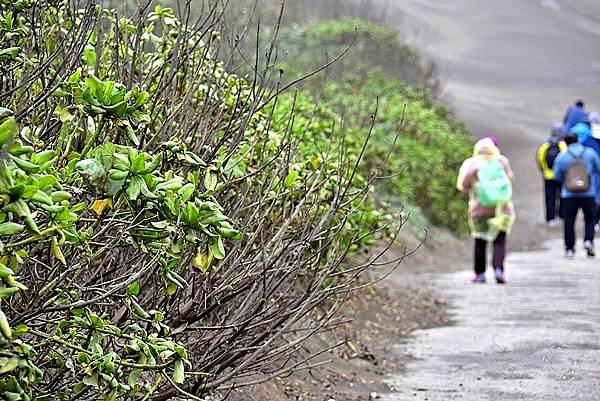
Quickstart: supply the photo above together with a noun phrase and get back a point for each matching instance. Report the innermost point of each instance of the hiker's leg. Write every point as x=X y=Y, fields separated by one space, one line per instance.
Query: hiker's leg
x=561 y=204
x=499 y=251
x=588 y=205
x=479 y=255
x=550 y=188
x=570 y=209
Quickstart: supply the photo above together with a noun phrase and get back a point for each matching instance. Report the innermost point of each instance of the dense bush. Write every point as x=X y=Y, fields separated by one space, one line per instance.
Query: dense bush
x=415 y=141
x=309 y=45
x=167 y=227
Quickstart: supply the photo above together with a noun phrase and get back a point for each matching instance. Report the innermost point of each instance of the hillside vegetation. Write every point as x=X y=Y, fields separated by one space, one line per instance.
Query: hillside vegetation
x=414 y=141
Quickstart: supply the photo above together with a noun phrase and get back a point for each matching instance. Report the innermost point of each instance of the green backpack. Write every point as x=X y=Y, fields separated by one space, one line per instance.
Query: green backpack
x=494 y=187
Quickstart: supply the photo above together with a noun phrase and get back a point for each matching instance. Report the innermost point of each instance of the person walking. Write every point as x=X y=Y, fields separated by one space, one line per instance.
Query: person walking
x=575 y=168
x=575 y=114
x=546 y=156
x=487 y=176
x=594 y=142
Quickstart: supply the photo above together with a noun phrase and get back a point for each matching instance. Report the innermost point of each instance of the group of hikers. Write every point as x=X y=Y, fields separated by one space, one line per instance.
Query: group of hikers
x=570 y=163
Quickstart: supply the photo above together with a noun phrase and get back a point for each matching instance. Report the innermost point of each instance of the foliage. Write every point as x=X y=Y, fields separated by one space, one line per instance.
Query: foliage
x=309 y=45
x=415 y=141
x=167 y=228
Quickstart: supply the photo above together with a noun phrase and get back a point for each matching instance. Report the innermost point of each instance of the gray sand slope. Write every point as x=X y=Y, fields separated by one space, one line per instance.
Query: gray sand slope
x=511 y=68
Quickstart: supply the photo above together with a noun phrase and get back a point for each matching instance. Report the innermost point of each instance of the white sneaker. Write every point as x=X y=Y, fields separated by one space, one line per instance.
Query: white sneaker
x=589 y=248
x=552 y=223
x=569 y=254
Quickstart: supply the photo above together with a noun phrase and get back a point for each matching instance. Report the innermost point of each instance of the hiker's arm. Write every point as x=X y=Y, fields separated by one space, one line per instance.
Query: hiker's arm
x=558 y=169
x=596 y=162
x=507 y=168
x=541 y=156
x=466 y=176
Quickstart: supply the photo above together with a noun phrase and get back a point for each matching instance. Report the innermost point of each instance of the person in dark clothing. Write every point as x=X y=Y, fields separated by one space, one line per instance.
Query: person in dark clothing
x=575 y=114
x=546 y=155
x=580 y=198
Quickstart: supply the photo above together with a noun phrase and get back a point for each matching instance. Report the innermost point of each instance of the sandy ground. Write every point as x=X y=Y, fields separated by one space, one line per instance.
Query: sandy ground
x=380 y=317
x=535 y=339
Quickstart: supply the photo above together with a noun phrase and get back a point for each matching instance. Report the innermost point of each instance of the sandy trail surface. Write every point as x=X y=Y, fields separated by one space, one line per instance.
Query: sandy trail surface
x=535 y=339
x=511 y=68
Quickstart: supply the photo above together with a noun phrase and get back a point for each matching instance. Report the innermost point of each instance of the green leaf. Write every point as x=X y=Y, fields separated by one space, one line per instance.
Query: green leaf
x=8 y=365
x=138 y=161
x=186 y=192
x=291 y=178
x=117 y=175
x=42 y=197
x=8 y=129
x=10 y=228
x=135 y=187
x=229 y=233
x=134 y=377
x=122 y=162
x=96 y=86
x=59 y=196
x=146 y=192
x=66 y=115
x=91 y=169
x=179 y=372
x=118 y=109
x=153 y=165
x=192 y=213
x=66 y=216
x=9 y=52
x=216 y=248
x=133 y=288
x=43 y=157
x=7 y=292
x=173 y=184
x=25 y=165
x=131 y=135
x=91 y=380
x=210 y=180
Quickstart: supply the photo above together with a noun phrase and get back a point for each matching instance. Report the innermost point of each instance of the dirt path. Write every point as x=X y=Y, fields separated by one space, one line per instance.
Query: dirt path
x=535 y=339
x=511 y=68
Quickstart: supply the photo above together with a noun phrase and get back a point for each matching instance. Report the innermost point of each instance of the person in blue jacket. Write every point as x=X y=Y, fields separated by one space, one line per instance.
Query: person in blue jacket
x=573 y=201
x=576 y=114
x=586 y=138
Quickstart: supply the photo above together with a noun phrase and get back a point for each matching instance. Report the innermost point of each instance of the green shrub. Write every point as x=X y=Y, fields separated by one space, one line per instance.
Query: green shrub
x=167 y=228
x=310 y=45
